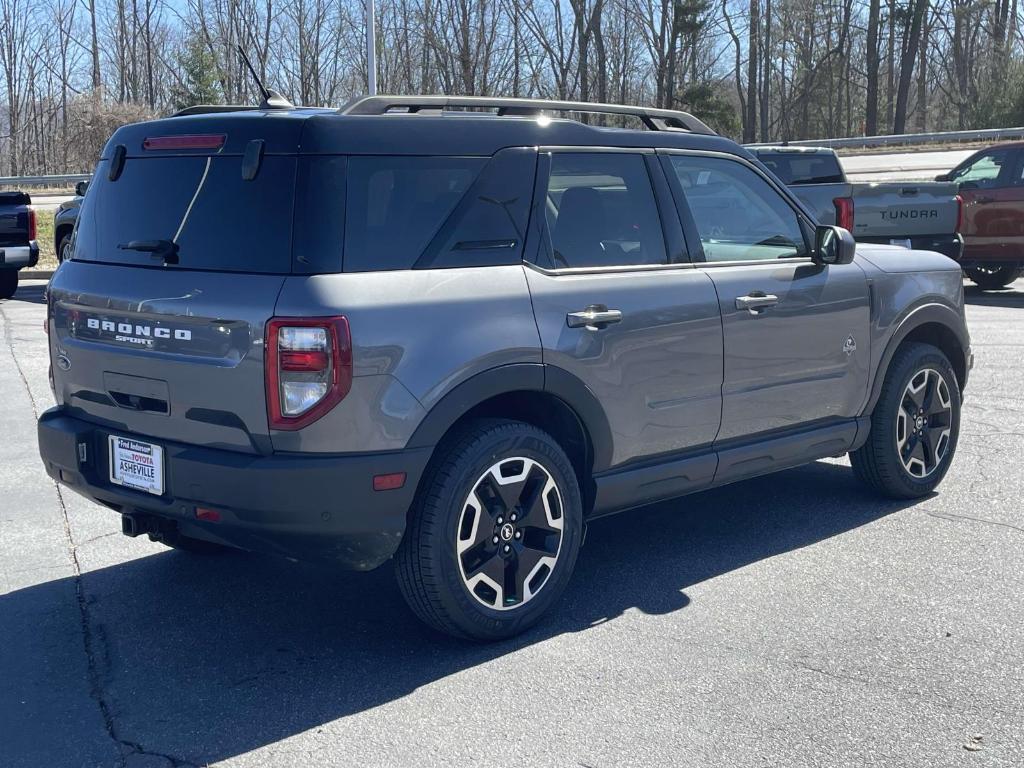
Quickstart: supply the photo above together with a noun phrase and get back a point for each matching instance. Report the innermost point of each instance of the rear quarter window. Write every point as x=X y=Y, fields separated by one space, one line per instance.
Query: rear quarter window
x=437 y=212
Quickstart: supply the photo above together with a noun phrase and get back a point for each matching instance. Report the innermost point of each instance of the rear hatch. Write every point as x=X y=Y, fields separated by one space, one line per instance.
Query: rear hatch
x=181 y=248
x=898 y=210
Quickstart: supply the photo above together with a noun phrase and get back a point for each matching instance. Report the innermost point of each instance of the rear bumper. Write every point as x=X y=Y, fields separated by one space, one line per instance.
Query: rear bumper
x=16 y=257
x=948 y=245
x=297 y=505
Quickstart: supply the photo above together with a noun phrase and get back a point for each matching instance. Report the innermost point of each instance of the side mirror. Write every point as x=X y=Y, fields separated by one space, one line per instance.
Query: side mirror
x=833 y=245
x=80 y=188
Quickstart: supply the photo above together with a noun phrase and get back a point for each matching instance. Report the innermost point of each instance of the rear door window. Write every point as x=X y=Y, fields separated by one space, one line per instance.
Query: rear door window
x=600 y=211
x=219 y=220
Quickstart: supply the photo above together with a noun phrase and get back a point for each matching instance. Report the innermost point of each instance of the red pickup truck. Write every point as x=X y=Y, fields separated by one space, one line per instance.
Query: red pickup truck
x=991 y=185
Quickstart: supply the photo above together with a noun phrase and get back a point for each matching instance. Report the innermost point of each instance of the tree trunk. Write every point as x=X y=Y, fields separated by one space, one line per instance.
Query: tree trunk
x=871 y=101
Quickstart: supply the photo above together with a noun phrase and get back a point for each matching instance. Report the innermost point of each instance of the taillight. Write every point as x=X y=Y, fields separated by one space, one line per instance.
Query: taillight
x=32 y=229
x=844 y=212
x=308 y=368
x=959 y=213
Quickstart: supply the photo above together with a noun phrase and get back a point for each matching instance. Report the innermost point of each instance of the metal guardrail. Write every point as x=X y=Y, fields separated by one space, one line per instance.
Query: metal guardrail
x=907 y=139
x=58 y=180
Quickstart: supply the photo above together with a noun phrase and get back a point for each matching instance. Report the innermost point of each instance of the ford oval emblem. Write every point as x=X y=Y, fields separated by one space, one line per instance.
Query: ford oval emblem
x=64 y=362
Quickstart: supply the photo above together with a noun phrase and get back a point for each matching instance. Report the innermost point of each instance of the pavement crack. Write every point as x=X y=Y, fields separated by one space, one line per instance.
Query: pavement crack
x=93 y=645
x=826 y=673
x=952 y=516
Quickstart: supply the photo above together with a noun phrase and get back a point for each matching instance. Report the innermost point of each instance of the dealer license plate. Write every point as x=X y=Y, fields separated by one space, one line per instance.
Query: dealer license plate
x=138 y=465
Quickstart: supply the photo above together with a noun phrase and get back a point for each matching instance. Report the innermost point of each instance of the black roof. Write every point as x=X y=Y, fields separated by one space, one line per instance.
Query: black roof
x=425 y=131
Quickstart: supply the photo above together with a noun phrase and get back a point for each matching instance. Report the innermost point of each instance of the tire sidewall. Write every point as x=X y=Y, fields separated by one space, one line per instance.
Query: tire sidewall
x=472 y=617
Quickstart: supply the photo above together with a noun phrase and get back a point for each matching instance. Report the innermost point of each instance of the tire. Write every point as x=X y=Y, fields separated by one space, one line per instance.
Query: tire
x=62 y=245
x=453 y=545
x=8 y=283
x=904 y=458
x=994 y=278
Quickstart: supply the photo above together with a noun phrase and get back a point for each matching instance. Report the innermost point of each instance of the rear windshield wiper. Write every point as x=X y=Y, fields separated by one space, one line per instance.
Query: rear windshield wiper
x=158 y=249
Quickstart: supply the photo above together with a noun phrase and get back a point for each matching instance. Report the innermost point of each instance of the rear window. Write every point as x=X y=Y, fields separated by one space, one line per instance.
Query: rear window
x=803 y=168
x=218 y=220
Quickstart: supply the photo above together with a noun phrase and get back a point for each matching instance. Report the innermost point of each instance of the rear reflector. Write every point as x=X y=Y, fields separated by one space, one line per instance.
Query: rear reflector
x=389 y=482
x=210 y=515
x=192 y=141
x=959 y=213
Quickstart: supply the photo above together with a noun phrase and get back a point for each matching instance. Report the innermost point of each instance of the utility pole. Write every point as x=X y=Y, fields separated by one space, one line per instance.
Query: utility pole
x=371 y=50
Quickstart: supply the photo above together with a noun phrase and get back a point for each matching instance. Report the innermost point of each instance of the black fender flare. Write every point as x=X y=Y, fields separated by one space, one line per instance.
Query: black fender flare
x=939 y=314
x=519 y=377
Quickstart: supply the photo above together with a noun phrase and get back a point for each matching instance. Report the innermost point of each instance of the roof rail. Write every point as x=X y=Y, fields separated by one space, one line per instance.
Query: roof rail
x=654 y=119
x=208 y=109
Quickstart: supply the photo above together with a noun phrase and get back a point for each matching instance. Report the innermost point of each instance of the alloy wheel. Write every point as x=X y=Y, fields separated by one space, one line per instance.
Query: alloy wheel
x=510 y=533
x=923 y=423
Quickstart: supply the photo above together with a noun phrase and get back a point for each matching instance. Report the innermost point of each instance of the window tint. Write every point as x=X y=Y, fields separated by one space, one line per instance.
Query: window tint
x=396 y=205
x=739 y=215
x=803 y=167
x=984 y=171
x=600 y=211
x=489 y=225
x=219 y=220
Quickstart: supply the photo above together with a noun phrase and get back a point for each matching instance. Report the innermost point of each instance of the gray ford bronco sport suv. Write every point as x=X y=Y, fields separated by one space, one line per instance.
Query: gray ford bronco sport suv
x=453 y=331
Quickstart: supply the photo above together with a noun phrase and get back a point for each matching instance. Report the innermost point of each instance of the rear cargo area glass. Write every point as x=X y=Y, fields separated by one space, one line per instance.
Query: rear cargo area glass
x=218 y=220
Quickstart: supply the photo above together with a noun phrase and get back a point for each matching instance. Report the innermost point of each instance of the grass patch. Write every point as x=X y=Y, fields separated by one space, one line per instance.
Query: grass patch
x=44 y=236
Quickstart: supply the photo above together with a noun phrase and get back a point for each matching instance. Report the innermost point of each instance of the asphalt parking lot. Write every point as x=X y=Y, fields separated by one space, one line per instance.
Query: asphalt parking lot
x=794 y=620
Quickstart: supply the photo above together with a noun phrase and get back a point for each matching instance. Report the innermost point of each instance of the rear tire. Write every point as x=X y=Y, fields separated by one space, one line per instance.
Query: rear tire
x=994 y=278
x=494 y=533
x=8 y=283
x=914 y=427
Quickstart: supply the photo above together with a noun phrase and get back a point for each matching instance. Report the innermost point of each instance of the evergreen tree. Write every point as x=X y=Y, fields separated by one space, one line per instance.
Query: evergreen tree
x=199 y=83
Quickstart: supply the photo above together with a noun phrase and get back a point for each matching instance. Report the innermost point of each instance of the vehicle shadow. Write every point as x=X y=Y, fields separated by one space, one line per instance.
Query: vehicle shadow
x=207 y=658
x=33 y=294
x=1011 y=296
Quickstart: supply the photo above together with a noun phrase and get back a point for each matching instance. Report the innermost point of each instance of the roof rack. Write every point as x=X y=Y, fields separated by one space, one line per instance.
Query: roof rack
x=654 y=119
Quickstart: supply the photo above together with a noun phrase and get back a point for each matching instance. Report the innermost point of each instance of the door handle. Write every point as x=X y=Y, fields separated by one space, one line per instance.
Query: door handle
x=756 y=301
x=984 y=199
x=595 y=317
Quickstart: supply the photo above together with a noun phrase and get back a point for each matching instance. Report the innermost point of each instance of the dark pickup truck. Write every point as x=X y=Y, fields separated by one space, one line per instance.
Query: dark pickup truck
x=18 y=247
x=920 y=215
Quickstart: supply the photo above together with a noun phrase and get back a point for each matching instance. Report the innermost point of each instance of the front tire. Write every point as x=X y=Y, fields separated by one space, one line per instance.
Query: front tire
x=914 y=427
x=994 y=278
x=494 y=533
x=8 y=283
